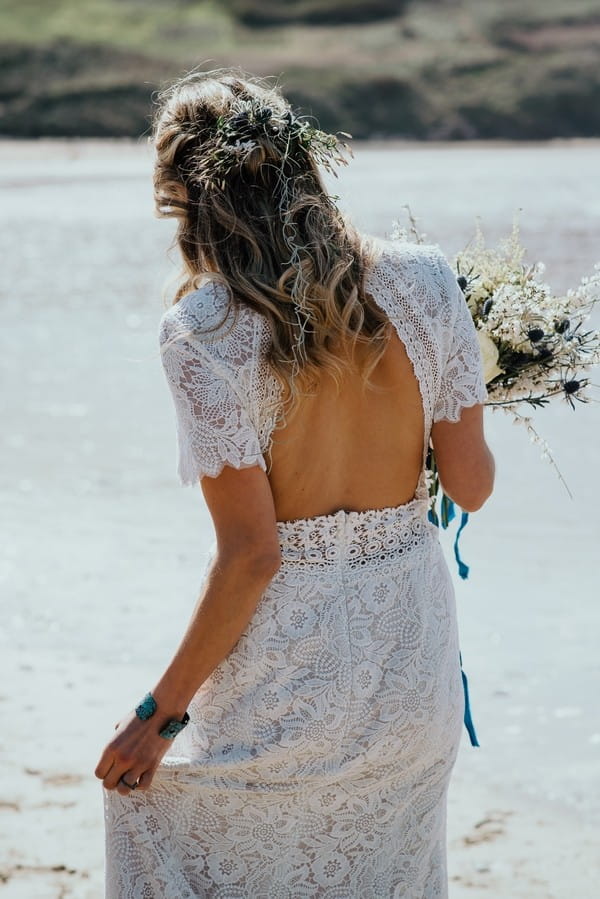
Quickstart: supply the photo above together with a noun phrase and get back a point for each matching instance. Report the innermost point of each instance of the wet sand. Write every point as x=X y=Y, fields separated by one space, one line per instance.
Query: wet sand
x=102 y=552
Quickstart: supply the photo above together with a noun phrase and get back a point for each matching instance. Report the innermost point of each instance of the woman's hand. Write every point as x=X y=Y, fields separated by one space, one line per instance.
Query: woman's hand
x=132 y=755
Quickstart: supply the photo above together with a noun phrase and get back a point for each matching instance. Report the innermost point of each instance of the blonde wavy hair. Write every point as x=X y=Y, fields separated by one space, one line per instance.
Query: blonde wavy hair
x=240 y=172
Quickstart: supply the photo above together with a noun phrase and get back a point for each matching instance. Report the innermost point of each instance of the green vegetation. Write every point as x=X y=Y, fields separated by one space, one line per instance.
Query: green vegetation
x=433 y=69
x=313 y=12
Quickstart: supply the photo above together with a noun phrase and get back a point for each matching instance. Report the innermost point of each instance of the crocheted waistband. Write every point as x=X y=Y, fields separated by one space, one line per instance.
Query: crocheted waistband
x=363 y=538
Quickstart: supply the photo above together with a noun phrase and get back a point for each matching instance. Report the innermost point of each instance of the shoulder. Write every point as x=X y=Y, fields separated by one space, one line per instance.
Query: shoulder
x=210 y=320
x=411 y=259
x=203 y=313
x=420 y=271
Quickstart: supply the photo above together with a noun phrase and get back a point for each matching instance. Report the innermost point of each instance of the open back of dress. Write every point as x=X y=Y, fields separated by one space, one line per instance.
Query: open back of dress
x=352 y=446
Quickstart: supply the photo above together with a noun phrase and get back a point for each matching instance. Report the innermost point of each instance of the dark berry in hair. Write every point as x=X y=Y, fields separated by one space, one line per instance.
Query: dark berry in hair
x=263 y=115
x=535 y=335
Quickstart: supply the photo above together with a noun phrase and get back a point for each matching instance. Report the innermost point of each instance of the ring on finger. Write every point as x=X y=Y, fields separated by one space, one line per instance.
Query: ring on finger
x=131 y=786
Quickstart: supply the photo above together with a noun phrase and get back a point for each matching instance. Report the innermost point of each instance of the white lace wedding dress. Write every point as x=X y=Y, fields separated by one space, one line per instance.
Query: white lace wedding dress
x=318 y=755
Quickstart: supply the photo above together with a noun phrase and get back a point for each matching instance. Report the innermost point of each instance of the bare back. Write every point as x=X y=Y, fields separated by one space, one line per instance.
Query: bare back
x=356 y=448
x=352 y=449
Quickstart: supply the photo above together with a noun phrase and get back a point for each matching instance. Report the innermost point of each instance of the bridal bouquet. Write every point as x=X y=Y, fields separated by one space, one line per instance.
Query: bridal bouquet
x=535 y=346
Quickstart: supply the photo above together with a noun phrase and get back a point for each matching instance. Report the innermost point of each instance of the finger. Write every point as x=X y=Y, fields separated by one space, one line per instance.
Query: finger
x=132 y=777
x=146 y=778
x=130 y=780
x=105 y=764
x=116 y=772
x=122 y=787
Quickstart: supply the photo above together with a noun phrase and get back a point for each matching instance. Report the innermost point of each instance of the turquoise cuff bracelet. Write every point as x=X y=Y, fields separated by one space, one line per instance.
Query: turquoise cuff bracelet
x=146 y=708
x=172 y=727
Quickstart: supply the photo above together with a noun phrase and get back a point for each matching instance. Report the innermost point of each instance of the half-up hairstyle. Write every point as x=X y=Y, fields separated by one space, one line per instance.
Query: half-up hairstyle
x=240 y=171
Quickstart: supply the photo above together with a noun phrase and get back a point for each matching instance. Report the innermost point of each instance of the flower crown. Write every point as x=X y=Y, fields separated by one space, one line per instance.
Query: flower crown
x=249 y=124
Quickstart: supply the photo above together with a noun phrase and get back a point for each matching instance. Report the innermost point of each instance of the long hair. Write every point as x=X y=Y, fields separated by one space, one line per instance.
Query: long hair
x=240 y=172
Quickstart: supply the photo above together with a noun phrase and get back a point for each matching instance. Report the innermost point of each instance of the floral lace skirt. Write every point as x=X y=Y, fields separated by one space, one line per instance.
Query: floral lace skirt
x=318 y=755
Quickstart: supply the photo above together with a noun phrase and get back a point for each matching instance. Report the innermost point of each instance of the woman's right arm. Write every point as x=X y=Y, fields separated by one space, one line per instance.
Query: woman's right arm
x=465 y=464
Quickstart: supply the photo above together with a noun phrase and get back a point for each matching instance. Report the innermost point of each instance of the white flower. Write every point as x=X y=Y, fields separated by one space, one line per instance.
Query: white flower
x=489 y=355
x=244 y=146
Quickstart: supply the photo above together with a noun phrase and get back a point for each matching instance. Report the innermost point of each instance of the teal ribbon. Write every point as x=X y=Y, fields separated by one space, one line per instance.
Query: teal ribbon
x=432 y=516
x=447 y=511
x=468 y=720
x=448 y=514
x=463 y=569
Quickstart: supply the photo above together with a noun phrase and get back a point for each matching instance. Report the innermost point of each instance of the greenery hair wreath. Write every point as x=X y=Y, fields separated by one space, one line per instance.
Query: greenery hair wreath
x=250 y=124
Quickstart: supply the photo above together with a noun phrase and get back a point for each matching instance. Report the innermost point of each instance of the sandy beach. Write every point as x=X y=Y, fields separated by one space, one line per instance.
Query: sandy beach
x=102 y=553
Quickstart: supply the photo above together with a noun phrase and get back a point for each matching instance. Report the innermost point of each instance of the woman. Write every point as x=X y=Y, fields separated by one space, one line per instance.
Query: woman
x=310 y=369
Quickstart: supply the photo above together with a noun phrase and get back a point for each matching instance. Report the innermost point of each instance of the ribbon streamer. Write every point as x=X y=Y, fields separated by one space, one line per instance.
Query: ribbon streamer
x=447 y=514
x=463 y=569
x=468 y=720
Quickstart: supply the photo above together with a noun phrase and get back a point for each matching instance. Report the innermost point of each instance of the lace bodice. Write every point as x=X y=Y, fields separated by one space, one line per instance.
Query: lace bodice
x=227 y=400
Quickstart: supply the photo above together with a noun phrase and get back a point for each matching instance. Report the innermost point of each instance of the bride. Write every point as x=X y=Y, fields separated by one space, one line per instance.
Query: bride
x=301 y=740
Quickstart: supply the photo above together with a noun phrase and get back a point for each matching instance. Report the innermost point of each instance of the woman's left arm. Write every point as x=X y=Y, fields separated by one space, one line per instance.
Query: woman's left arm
x=248 y=556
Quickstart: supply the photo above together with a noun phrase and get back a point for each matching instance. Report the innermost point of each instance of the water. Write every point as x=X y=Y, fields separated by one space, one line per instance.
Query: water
x=102 y=553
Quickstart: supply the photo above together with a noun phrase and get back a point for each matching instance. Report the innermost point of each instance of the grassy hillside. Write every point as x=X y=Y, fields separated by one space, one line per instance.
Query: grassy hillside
x=437 y=69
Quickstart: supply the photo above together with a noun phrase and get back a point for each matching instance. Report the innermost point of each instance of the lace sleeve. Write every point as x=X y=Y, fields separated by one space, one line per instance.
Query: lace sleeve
x=214 y=427
x=462 y=382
